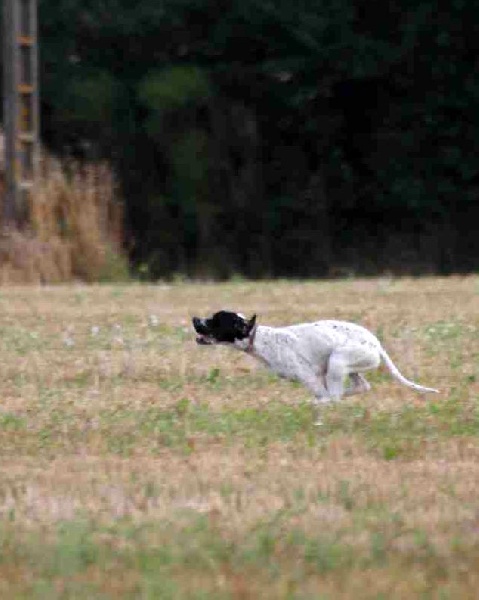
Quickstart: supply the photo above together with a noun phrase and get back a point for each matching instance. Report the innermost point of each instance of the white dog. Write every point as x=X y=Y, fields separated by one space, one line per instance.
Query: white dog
x=320 y=355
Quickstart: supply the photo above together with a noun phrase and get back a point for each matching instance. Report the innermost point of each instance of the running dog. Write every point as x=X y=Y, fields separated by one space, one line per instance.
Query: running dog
x=321 y=355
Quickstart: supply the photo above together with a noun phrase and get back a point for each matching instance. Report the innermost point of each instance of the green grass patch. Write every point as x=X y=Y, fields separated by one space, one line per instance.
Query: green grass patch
x=401 y=433
x=195 y=561
x=392 y=434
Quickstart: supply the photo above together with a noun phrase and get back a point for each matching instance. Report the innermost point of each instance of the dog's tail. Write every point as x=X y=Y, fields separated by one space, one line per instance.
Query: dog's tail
x=398 y=375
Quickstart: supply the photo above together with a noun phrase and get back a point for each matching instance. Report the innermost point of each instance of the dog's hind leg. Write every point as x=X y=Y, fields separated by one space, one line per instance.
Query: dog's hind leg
x=335 y=375
x=358 y=385
x=350 y=360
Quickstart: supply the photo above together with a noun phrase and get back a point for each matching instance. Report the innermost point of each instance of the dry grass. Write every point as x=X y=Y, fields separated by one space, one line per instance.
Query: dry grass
x=138 y=465
x=74 y=228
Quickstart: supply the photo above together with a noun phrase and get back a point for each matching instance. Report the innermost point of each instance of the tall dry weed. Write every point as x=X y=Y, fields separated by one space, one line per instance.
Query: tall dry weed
x=74 y=227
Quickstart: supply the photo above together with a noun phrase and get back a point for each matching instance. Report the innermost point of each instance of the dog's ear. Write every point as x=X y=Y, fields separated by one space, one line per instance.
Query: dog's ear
x=251 y=323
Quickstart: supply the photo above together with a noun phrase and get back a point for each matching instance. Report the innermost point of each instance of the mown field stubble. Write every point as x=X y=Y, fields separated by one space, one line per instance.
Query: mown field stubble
x=135 y=464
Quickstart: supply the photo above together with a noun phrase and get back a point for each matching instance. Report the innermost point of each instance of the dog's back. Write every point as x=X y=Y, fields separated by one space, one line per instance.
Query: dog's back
x=329 y=334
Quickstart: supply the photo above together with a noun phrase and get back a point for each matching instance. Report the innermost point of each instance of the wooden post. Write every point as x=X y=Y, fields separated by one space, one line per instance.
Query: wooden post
x=20 y=110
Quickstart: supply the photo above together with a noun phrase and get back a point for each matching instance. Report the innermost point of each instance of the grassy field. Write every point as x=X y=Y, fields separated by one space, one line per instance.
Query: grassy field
x=135 y=464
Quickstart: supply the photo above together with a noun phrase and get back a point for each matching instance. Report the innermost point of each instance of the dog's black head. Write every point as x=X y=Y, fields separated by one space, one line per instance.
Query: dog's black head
x=223 y=327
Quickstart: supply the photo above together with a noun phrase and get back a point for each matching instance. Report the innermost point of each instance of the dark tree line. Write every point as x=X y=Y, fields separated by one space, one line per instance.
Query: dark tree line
x=276 y=137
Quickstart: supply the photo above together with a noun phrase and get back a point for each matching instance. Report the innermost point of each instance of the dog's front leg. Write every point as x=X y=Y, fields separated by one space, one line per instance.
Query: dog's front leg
x=315 y=385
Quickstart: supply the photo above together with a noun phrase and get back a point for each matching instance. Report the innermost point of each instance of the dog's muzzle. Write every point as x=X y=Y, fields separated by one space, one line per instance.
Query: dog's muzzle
x=204 y=339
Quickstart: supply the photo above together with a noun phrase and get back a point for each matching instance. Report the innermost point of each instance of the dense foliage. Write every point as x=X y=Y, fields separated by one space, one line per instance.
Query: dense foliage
x=272 y=137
